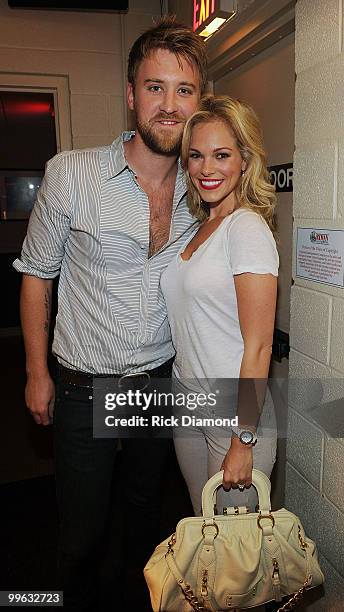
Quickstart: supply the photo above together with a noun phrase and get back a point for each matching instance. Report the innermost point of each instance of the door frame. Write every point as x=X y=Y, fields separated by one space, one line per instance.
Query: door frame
x=58 y=86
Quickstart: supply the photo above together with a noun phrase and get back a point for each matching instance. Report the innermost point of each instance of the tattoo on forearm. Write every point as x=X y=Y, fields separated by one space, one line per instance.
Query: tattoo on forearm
x=47 y=305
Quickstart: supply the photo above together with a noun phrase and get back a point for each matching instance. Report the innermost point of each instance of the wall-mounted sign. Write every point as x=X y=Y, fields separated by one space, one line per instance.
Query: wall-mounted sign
x=282 y=177
x=210 y=15
x=202 y=10
x=320 y=255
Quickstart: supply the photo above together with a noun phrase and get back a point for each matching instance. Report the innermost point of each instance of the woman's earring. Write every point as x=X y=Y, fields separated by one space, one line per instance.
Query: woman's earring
x=242 y=172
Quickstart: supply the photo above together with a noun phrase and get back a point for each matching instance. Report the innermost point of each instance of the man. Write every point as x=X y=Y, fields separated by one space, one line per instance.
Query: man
x=108 y=220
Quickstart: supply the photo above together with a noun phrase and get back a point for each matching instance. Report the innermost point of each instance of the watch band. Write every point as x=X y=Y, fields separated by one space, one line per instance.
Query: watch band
x=245 y=435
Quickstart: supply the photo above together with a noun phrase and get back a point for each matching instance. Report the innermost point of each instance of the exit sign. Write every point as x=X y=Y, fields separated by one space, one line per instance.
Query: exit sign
x=203 y=9
x=210 y=15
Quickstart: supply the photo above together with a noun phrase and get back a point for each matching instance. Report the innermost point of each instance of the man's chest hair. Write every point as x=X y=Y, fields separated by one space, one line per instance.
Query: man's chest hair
x=160 y=207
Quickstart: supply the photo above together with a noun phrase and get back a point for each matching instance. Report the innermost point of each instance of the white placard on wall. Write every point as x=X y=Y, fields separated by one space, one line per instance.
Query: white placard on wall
x=320 y=255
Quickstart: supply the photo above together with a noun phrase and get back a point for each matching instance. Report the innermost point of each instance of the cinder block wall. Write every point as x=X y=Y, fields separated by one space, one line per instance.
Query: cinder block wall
x=315 y=461
x=89 y=48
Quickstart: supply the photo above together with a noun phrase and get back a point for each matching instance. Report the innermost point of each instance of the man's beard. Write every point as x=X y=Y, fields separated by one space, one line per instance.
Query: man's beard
x=161 y=142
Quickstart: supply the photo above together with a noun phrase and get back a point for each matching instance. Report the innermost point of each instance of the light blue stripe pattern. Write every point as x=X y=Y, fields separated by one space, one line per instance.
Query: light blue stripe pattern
x=90 y=224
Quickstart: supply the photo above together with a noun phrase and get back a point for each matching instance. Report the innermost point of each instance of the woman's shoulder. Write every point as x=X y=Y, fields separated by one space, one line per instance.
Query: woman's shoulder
x=249 y=240
x=243 y=216
x=248 y=222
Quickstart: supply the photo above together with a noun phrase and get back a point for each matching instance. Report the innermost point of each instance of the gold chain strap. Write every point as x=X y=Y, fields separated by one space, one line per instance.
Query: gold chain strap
x=171 y=543
x=192 y=599
x=199 y=607
x=295 y=598
x=186 y=590
x=291 y=603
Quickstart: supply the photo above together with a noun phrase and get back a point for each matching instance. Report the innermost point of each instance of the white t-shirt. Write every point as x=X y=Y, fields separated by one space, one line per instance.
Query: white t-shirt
x=201 y=298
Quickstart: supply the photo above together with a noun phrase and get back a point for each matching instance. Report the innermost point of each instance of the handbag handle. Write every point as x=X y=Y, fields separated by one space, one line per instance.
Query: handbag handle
x=259 y=480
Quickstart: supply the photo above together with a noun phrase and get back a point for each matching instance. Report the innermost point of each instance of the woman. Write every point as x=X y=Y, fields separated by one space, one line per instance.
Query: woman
x=220 y=293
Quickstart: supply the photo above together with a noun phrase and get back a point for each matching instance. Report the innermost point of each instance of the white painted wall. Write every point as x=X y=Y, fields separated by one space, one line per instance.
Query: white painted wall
x=89 y=49
x=183 y=9
x=315 y=468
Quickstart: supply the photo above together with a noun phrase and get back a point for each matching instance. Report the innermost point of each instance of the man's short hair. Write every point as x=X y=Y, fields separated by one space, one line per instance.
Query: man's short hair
x=175 y=37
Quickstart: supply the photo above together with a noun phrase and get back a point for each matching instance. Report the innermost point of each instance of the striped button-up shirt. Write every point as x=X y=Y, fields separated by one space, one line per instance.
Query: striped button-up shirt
x=90 y=224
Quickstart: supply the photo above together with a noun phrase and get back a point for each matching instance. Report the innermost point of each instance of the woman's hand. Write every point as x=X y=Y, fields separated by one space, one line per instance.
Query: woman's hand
x=237 y=465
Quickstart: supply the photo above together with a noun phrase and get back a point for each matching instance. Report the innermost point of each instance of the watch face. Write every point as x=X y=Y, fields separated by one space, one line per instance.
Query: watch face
x=246 y=437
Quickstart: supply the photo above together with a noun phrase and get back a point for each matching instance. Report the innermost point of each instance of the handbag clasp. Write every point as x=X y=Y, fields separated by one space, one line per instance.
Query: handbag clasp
x=210 y=525
x=265 y=516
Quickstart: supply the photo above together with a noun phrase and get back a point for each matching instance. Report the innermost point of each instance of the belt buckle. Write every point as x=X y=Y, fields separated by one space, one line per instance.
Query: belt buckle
x=131 y=378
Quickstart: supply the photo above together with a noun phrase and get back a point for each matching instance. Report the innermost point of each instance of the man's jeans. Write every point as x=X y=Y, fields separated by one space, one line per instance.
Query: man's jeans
x=84 y=468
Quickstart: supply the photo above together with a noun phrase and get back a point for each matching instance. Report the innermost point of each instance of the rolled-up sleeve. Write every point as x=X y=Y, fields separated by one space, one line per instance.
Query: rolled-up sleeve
x=49 y=224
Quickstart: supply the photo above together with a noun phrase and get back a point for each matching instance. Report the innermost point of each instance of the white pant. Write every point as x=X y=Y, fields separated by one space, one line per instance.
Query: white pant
x=201 y=450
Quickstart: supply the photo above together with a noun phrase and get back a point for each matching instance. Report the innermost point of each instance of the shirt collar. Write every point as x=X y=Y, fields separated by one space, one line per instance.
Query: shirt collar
x=181 y=187
x=117 y=163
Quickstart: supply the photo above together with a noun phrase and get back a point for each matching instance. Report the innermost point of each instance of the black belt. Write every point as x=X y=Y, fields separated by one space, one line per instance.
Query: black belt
x=139 y=380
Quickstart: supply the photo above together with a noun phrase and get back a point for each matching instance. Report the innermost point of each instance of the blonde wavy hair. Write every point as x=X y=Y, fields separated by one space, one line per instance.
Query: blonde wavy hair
x=254 y=190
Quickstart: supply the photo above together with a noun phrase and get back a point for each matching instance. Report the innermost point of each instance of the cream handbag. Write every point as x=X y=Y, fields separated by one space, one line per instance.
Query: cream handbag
x=234 y=561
